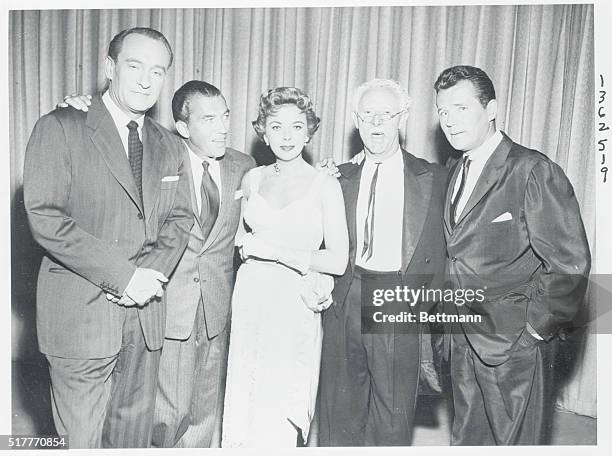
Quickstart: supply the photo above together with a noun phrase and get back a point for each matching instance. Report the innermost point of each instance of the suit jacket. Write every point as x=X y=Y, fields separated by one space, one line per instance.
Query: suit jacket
x=206 y=269
x=423 y=249
x=533 y=265
x=84 y=210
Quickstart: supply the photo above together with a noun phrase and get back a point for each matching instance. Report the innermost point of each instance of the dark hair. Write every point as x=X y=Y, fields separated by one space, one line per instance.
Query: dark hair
x=275 y=98
x=183 y=96
x=114 y=48
x=480 y=81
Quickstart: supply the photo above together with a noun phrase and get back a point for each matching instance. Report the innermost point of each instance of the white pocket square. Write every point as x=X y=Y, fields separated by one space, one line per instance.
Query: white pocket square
x=239 y=194
x=502 y=218
x=170 y=178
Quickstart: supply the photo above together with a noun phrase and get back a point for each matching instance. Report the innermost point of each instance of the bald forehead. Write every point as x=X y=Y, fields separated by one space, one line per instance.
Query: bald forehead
x=378 y=98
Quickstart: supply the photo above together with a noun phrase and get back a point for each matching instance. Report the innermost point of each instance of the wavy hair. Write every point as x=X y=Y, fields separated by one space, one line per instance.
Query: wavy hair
x=271 y=102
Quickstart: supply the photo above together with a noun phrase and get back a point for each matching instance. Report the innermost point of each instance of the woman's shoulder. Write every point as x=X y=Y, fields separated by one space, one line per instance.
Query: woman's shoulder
x=250 y=180
x=326 y=181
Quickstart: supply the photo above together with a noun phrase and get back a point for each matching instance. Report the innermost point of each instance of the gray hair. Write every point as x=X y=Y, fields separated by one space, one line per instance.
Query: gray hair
x=401 y=93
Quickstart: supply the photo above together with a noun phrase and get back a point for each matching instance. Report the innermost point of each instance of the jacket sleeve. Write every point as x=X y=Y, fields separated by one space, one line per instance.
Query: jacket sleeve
x=557 y=236
x=46 y=186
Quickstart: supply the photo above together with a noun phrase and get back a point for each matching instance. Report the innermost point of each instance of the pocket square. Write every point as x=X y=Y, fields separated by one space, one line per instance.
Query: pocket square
x=170 y=178
x=239 y=194
x=502 y=218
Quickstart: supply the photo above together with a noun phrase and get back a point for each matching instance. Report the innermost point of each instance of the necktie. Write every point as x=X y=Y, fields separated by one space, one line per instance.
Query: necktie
x=465 y=166
x=135 y=155
x=368 y=232
x=210 y=201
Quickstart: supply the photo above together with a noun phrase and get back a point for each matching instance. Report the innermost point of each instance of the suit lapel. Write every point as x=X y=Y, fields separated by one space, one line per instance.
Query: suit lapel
x=351 y=178
x=449 y=194
x=417 y=194
x=153 y=160
x=192 y=189
x=107 y=141
x=489 y=176
x=229 y=181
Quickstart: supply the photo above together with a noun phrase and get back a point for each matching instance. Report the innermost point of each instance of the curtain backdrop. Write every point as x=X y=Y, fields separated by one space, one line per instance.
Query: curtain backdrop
x=539 y=57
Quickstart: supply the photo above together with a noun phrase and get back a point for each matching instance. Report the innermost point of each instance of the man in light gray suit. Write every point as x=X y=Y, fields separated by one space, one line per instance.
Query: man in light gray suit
x=190 y=394
x=107 y=197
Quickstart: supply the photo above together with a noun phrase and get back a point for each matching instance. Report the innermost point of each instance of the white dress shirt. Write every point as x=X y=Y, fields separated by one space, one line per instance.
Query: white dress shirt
x=121 y=120
x=196 y=169
x=478 y=159
x=388 y=213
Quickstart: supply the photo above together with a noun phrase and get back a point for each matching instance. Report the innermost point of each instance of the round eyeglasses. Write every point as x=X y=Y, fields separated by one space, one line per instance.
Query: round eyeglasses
x=379 y=118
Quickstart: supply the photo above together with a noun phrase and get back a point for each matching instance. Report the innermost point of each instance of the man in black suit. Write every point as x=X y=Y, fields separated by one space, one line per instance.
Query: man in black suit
x=513 y=229
x=393 y=203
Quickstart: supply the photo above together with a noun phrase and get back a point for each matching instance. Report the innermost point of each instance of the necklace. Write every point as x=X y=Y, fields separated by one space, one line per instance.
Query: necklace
x=276 y=169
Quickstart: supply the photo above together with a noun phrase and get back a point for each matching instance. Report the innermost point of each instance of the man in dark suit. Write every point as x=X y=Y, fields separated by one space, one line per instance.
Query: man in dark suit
x=513 y=229
x=394 y=205
x=107 y=196
x=193 y=366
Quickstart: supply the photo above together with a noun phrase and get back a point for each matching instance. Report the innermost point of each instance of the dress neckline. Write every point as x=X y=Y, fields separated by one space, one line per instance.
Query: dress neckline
x=307 y=193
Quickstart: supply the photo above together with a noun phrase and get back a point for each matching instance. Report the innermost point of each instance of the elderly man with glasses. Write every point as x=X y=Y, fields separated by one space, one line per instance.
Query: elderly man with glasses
x=394 y=203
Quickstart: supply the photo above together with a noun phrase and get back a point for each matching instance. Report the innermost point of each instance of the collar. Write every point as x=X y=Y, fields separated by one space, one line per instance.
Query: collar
x=196 y=159
x=120 y=118
x=395 y=159
x=485 y=150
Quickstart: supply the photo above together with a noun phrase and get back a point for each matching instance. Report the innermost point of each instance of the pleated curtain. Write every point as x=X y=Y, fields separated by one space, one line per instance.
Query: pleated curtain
x=540 y=58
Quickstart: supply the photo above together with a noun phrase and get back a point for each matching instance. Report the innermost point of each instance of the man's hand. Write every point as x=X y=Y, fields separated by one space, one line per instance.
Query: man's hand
x=357 y=159
x=124 y=300
x=329 y=166
x=144 y=285
x=80 y=102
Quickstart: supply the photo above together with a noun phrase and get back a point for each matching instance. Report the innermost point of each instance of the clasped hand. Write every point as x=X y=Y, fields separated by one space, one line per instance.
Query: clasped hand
x=144 y=286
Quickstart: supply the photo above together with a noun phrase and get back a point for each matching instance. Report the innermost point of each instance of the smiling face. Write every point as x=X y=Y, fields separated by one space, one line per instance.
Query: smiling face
x=380 y=138
x=286 y=132
x=138 y=75
x=464 y=121
x=207 y=126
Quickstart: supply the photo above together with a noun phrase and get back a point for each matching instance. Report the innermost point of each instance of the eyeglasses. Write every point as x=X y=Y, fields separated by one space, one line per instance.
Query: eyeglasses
x=381 y=117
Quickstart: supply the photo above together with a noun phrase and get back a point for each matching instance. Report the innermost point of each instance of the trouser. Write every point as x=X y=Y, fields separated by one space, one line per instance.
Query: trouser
x=191 y=387
x=368 y=382
x=508 y=404
x=107 y=402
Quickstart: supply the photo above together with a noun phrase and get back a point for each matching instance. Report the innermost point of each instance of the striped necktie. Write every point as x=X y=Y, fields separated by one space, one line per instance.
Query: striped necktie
x=368 y=232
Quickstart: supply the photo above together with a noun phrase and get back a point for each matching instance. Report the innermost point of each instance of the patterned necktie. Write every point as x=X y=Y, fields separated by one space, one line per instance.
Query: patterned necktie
x=465 y=166
x=368 y=232
x=210 y=201
x=135 y=155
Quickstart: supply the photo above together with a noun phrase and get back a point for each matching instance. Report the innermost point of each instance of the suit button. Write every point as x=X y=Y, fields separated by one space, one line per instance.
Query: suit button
x=427 y=259
x=196 y=279
x=140 y=217
x=453 y=259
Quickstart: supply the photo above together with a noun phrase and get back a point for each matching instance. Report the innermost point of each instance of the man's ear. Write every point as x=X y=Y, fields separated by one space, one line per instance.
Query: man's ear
x=355 y=119
x=182 y=128
x=109 y=68
x=492 y=109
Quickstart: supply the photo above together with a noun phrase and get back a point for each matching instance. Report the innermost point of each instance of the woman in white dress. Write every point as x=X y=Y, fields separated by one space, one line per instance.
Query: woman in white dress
x=289 y=209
